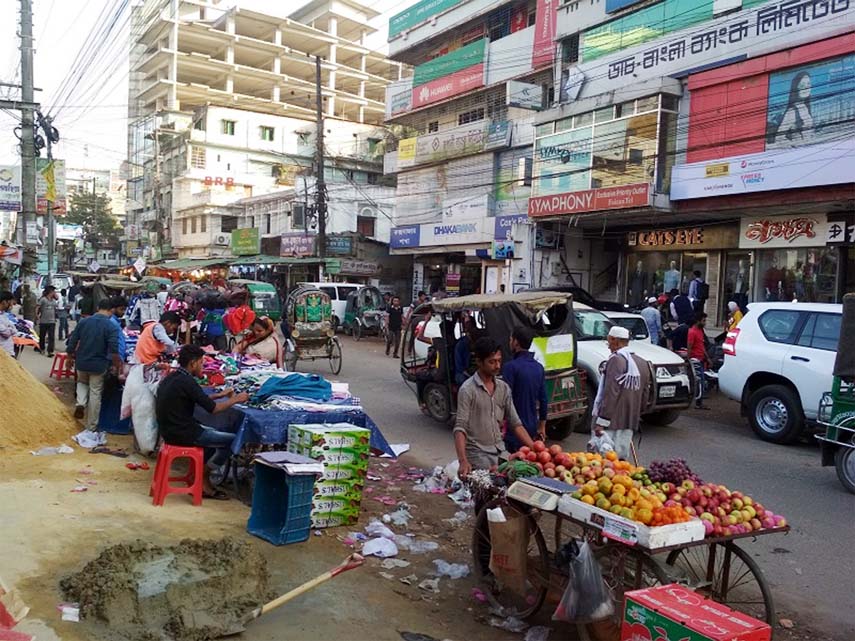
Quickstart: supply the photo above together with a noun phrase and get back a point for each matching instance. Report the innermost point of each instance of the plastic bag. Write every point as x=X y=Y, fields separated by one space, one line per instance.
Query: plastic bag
x=451 y=570
x=602 y=444
x=139 y=398
x=376 y=528
x=509 y=547
x=379 y=547
x=586 y=597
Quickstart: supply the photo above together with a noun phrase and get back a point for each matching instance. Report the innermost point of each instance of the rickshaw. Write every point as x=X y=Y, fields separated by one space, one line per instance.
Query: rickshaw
x=364 y=312
x=837 y=407
x=434 y=328
x=263 y=297
x=308 y=314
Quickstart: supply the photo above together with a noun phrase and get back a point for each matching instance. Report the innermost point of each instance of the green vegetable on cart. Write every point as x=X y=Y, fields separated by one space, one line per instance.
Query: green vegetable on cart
x=518 y=469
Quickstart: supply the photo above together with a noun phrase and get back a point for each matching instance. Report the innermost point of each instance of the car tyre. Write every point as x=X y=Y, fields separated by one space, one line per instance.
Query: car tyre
x=437 y=401
x=775 y=414
x=844 y=462
x=662 y=417
x=561 y=428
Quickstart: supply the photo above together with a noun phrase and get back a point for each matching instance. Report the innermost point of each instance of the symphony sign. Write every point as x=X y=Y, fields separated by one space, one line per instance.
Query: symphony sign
x=588 y=200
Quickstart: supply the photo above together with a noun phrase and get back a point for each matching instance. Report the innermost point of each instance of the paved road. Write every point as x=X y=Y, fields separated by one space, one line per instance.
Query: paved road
x=812 y=569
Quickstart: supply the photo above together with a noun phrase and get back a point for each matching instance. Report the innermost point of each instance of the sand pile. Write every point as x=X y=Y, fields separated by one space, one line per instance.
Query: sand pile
x=32 y=414
x=194 y=591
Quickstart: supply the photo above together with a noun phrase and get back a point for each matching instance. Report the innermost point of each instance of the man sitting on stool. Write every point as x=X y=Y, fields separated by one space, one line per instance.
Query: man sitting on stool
x=177 y=397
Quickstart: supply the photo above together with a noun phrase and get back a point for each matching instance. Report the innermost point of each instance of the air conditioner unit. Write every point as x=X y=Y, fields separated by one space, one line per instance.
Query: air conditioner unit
x=223 y=239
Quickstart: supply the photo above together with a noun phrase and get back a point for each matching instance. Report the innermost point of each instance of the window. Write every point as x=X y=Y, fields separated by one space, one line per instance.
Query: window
x=372 y=145
x=344 y=291
x=252 y=221
x=570 y=49
x=266 y=133
x=329 y=291
x=193 y=225
x=365 y=226
x=228 y=224
x=433 y=127
x=199 y=125
x=203 y=224
x=779 y=325
x=198 y=157
x=298 y=216
x=821 y=331
x=184 y=226
x=266 y=223
x=470 y=116
x=227 y=127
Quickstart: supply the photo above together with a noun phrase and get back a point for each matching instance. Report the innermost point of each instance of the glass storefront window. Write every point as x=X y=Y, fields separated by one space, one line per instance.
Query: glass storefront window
x=651 y=274
x=562 y=162
x=584 y=120
x=736 y=280
x=624 y=151
x=806 y=274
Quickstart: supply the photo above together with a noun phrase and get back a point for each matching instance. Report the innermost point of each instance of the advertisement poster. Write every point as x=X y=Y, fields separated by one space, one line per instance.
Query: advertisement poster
x=50 y=186
x=811 y=104
x=562 y=162
x=10 y=188
x=543 y=52
x=245 y=241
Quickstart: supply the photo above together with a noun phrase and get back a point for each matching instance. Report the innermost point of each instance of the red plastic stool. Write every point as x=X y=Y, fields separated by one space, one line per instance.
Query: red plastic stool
x=61 y=367
x=161 y=483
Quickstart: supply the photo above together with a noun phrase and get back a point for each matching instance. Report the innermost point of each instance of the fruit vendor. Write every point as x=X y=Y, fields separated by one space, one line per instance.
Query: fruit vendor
x=624 y=384
x=484 y=403
x=527 y=380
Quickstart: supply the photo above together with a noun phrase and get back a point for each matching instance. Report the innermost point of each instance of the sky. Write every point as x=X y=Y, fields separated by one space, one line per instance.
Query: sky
x=92 y=121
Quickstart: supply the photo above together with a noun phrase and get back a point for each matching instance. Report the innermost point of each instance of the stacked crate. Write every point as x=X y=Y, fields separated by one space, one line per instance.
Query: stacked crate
x=343 y=449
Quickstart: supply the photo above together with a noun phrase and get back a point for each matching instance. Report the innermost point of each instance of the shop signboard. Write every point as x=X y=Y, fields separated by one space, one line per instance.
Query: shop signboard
x=460 y=141
x=829 y=163
x=749 y=33
x=504 y=225
x=400 y=97
x=297 y=244
x=841 y=229
x=617 y=5
x=498 y=135
x=449 y=64
x=452 y=284
x=32 y=232
x=463 y=232
x=50 y=186
x=777 y=232
x=359 y=267
x=710 y=237
x=405 y=236
x=502 y=250
x=543 y=51
x=10 y=188
x=577 y=202
x=12 y=255
x=419 y=12
x=470 y=208
x=339 y=245
x=524 y=95
x=245 y=241
x=448 y=86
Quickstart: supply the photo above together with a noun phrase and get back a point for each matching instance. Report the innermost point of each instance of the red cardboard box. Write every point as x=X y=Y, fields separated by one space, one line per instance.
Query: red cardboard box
x=676 y=613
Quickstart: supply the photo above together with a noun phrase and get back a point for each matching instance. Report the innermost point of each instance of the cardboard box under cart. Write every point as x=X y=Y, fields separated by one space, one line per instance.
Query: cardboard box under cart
x=676 y=613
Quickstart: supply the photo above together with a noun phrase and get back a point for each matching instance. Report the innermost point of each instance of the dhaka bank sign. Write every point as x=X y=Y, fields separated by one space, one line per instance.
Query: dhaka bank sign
x=469 y=232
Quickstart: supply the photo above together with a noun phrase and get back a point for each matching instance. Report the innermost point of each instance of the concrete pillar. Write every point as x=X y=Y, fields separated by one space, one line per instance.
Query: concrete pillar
x=333 y=26
x=332 y=74
x=230 y=54
x=277 y=65
x=230 y=83
x=277 y=37
x=230 y=23
x=275 y=95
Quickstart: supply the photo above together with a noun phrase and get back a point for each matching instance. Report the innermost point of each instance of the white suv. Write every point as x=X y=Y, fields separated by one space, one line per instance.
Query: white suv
x=778 y=363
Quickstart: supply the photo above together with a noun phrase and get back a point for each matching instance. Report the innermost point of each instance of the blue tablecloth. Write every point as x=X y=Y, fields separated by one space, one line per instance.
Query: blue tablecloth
x=269 y=427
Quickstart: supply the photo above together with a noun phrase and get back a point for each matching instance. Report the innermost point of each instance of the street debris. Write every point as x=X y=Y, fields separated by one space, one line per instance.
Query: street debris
x=400 y=517
x=88 y=439
x=430 y=585
x=70 y=612
x=451 y=570
x=414 y=545
x=380 y=547
x=386 y=575
x=79 y=488
x=50 y=451
x=390 y=564
x=376 y=528
x=458 y=519
x=538 y=633
x=409 y=579
x=511 y=624
x=478 y=595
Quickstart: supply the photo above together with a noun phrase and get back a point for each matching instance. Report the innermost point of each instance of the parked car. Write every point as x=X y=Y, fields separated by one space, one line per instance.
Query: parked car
x=338 y=297
x=778 y=363
x=583 y=296
x=674 y=379
x=60 y=281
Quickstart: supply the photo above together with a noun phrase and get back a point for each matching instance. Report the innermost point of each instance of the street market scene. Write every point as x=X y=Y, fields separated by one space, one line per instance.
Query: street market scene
x=427 y=320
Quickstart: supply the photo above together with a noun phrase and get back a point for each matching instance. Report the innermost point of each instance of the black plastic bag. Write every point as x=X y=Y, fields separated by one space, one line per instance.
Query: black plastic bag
x=586 y=598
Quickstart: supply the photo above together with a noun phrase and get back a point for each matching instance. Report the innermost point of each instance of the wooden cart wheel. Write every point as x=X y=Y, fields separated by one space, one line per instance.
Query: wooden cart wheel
x=335 y=356
x=726 y=573
x=521 y=605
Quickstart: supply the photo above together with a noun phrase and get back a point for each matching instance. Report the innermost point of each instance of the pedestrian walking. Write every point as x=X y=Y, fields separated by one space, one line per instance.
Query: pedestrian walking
x=624 y=384
x=653 y=319
x=394 y=325
x=484 y=403
x=699 y=291
x=734 y=315
x=62 y=315
x=527 y=380
x=7 y=324
x=93 y=348
x=46 y=319
x=697 y=350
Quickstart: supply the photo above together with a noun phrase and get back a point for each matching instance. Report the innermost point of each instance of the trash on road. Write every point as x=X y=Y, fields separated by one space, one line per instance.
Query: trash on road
x=409 y=579
x=451 y=570
x=538 y=633
x=376 y=528
x=390 y=564
x=50 y=451
x=380 y=547
x=511 y=624
x=430 y=585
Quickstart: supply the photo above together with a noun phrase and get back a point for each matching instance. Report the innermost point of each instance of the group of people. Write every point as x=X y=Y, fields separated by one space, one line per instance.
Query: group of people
x=496 y=415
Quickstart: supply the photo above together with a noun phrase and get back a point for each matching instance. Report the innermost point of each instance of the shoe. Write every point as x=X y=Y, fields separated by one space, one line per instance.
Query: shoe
x=394 y=356
x=79 y=411
x=50 y=355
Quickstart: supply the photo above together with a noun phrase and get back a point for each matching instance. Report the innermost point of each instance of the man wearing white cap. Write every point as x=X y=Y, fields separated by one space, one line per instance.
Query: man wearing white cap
x=622 y=392
x=653 y=319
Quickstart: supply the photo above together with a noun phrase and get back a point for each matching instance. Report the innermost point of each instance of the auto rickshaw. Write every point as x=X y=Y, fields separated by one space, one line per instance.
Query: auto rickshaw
x=263 y=297
x=434 y=329
x=310 y=329
x=364 y=312
x=837 y=407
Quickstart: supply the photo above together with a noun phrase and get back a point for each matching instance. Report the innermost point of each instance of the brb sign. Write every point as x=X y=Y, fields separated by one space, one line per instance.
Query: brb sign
x=219 y=181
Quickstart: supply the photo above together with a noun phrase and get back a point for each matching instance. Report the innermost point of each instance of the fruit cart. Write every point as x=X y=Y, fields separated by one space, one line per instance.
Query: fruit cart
x=632 y=555
x=837 y=407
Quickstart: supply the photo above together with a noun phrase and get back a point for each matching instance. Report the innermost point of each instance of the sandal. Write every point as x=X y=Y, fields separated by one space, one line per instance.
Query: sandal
x=217 y=495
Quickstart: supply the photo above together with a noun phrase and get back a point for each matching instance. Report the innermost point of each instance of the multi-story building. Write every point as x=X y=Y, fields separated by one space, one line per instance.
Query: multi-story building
x=465 y=126
x=223 y=105
x=705 y=135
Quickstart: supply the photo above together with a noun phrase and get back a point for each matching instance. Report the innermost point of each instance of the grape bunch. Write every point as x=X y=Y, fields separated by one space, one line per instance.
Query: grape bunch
x=674 y=471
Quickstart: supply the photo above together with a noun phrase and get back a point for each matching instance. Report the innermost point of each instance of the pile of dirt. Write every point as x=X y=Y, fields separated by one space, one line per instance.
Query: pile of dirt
x=34 y=416
x=194 y=591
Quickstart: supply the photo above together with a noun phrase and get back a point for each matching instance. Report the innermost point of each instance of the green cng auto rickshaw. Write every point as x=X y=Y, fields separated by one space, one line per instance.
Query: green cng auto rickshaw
x=434 y=329
x=837 y=407
x=263 y=297
x=364 y=312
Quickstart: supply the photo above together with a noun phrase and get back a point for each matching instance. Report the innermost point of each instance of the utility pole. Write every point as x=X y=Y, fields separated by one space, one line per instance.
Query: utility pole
x=28 y=147
x=47 y=127
x=320 y=185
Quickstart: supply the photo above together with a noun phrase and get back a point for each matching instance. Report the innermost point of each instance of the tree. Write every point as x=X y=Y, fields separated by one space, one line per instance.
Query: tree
x=92 y=212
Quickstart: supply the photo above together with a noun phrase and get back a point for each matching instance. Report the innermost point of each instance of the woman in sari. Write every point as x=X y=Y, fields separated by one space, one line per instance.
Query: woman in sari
x=262 y=342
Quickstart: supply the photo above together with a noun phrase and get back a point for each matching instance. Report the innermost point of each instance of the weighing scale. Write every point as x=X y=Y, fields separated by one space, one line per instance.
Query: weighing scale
x=541 y=492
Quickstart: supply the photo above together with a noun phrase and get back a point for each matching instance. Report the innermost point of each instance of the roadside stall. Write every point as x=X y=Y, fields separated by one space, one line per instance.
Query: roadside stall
x=645 y=526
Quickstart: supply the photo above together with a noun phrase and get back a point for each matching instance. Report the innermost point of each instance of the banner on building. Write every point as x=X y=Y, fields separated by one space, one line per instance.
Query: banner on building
x=829 y=163
x=245 y=241
x=297 y=244
x=444 y=145
x=781 y=232
x=449 y=86
x=453 y=232
x=524 y=95
x=419 y=12
x=451 y=63
x=50 y=186
x=543 y=52
x=503 y=226
x=10 y=188
x=578 y=202
x=405 y=236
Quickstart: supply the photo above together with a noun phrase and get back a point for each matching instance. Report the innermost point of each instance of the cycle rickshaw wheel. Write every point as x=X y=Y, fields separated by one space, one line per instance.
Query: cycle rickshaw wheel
x=335 y=356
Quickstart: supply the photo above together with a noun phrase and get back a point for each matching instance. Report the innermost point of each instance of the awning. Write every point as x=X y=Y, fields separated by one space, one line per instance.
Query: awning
x=189 y=264
x=535 y=301
x=262 y=259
